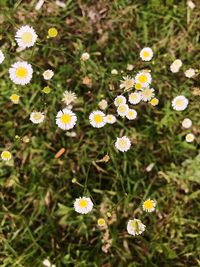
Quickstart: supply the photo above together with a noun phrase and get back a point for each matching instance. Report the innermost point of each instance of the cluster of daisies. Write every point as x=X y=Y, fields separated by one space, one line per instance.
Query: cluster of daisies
x=84 y=205
x=138 y=89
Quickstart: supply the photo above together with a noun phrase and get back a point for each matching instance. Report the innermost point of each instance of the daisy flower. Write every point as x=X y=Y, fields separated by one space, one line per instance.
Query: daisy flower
x=149 y=205
x=110 y=119
x=2 y=57
x=120 y=99
x=26 y=36
x=6 y=155
x=21 y=72
x=154 y=102
x=190 y=138
x=15 y=98
x=83 y=205
x=85 y=56
x=97 y=119
x=123 y=144
x=52 y=32
x=127 y=83
x=147 y=94
x=103 y=104
x=144 y=78
x=101 y=222
x=190 y=73
x=129 y=67
x=132 y=114
x=48 y=74
x=146 y=54
x=47 y=263
x=114 y=72
x=66 y=119
x=135 y=227
x=180 y=103
x=176 y=65
x=37 y=117
x=122 y=110
x=69 y=97
x=134 y=98
x=186 y=123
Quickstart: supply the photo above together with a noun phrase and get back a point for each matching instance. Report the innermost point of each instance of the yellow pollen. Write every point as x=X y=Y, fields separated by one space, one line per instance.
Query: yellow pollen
x=21 y=72
x=65 y=118
x=138 y=86
x=179 y=102
x=122 y=143
x=145 y=54
x=142 y=78
x=148 y=204
x=98 y=118
x=6 y=154
x=37 y=116
x=154 y=102
x=14 y=97
x=133 y=96
x=27 y=37
x=101 y=222
x=83 y=203
x=52 y=32
x=122 y=109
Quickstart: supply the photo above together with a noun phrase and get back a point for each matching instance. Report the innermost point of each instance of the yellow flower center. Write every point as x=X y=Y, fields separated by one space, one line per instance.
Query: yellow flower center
x=21 y=72
x=98 y=118
x=122 y=143
x=138 y=86
x=130 y=113
x=128 y=83
x=142 y=78
x=135 y=226
x=14 y=97
x=27 y=37
x=37 y=116
x=65 y=118
x=179 y=102
x=83 y=203
x=145 y=54
x=133 y=97
x=147 y=93
x=148 y=204
x=101 y=222
x=52 y=32
x=6 y=154
x=122 y=109
x=119 y=101
x=154 y=101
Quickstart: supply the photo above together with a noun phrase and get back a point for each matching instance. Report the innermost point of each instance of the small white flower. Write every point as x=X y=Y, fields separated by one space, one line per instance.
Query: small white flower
x=83 y=205
x=71 y=134
x=190 y=138
x=120 y=99
x=190 y=73
x=114 y=72
x=146 y=54
x=149 y=205
x=135 y=227
x=144 y=78
x=176 y=65
x=85 y=56
x=186 y=123
x=147 y=94
x=130 y=67
x=97 y=119
x=21 y=72
x=123 y=144
x=26 y=36
x=69 y=97
x=132 y=114
x=103 y=104
x=190 y=4
x=122 y=110
x=110 y=119
x=37 y=117
x=127 y=83
x=2 y=57
x=48 y=74
x=66 y=119
x=15 y=98
x=6 y=155
x=180 y=103
x=47 y=263
x=135 y=98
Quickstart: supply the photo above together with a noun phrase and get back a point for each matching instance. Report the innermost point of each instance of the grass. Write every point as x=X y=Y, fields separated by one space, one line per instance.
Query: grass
x=37 y=190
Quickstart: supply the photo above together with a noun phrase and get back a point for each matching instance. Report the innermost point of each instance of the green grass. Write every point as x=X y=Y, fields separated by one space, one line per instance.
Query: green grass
x=37 y=192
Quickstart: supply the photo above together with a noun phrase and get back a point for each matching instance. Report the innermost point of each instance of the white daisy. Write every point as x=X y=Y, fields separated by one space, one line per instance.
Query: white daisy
x=127 y=83
x=123 y=144
x=83 y=205
x=122 y=110
x=190 y=138
x=120 y=99
x=186 y=123
x=110 y=119
x=103 y=104
x=2 y=57
x=37 y=117
x=48 y=74
x=149 y=205
x=85 y=56
x=174 y=68
x=147 y=94
x=176 y=65
x=190 y=73
x=21 y=72
x=69 y=97
x=47 y=263
x=6 y=155
x=135 y=98
x=144 y=78
x=132 y=114
x=15 y=98
x=114 y=72
x=146 y=54
x=135 y=227
x=26 y=36
x=180 y=103
x=97 y=119
x=66 y=119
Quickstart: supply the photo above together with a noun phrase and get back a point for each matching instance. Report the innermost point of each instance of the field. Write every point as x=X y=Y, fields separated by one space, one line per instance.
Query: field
x=39 y=186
